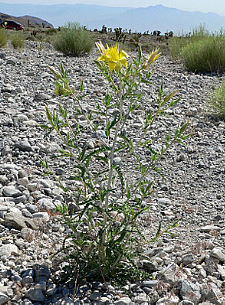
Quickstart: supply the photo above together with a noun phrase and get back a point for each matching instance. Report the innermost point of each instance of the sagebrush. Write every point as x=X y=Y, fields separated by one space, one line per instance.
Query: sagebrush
x=73 y=39
x=217 y=102
x=3 y=38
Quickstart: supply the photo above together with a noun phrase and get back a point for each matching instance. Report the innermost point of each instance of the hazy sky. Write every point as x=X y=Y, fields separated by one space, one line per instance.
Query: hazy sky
x=216 y=6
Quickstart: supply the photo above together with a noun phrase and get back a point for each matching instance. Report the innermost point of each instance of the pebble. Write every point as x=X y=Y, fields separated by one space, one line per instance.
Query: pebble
x=8 y=250
x=123 y=301
x=3 y=298
x=11 y=191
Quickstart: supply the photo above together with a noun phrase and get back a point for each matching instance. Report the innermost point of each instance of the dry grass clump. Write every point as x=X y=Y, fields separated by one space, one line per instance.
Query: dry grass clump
x=17 y=40
x=200 y=51
x=3 y=38
x=73 y=40
x=217 y=102
x=205 y=55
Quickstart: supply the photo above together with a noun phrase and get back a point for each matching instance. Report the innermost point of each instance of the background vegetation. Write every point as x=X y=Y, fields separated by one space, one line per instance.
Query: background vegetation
x=17 y=40
x=200 y=51
x=217 y=101
x=3 y=38
x=73 y=40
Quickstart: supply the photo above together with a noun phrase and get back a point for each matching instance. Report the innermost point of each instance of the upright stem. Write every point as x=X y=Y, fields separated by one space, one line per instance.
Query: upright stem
x=109 y=183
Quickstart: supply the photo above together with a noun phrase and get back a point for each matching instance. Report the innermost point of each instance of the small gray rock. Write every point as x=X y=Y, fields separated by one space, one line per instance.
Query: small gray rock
x=189 y=291
x=18 y=221
x=168 y=300
x=187 y=259
x=221 y=270
x=218 y=254
x=3 y=298
x=208 y=228
x=117 y=161
x=46 y=204
x=8 y=249
x=32 y=208
x=150 y=283
x=24 y=146
x=123 y=301
x=41 y=215
x=41 y=273
x=164 y=201
x=169 y=274
x=11 y=191
x=149 y=266
x=186 y=302
x=35 y=294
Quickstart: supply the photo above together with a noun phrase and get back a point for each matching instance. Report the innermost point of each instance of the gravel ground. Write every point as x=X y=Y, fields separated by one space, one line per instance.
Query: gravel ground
x=186 y=267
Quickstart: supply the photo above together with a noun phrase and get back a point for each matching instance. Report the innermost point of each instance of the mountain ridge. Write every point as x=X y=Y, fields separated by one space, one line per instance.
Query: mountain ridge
x=26 y=20
x=158 y=17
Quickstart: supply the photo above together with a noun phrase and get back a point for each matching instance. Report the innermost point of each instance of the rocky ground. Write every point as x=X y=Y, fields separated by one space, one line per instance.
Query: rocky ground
x=187 y=267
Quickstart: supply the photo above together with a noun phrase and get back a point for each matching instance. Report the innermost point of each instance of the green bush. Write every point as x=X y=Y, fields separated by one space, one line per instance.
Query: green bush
x=17 y=40
x=176 y=44
x=3 y=38
x=73 y=40
x=200 y=51
x=217 y=102
x=205 y=55
x=51 y=31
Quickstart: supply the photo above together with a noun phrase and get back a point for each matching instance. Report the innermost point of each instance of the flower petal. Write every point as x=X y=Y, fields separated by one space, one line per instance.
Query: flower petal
x=112 y=56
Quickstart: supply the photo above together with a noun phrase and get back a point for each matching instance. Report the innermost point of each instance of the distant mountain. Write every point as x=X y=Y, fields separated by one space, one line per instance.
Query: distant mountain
x=24 y=20
x=150 y=18
x=36 y=21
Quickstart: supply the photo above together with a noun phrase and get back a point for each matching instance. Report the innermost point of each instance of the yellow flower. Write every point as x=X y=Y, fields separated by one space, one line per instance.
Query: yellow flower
x=112 y=56
x=101 y=48
x=151 y=58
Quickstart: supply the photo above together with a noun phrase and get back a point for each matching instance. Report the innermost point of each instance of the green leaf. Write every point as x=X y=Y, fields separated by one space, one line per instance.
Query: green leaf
x=44 y=164
x=107 y=100
x=82 y=86
x=184 y=127
x=44 y=126
x=139 y=53
x=48 y=113
x=157 y=233
x=110 y=125
x=169 y=96
x=160 y=92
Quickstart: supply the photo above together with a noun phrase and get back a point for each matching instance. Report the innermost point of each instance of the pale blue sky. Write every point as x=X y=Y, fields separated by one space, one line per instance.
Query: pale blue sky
x=216 y=6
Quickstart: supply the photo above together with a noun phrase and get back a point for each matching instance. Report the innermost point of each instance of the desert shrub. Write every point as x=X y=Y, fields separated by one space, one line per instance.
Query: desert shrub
x=205 y=55
x=17 y=40
x=73 y=40
x=3 y=38
x=102 y=216
x=51 y=31
x=200 y=51
x=217 y=102
x=177 y=43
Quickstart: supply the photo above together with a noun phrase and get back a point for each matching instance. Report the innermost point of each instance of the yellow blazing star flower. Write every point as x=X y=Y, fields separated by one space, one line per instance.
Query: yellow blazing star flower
x=151 y=58
x=113 y=57
x=101 y=48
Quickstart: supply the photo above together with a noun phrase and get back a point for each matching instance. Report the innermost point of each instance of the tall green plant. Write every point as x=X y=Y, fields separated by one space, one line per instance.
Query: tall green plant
x=3 y=38
x=200 y=50
x=217 y=102
x=176 y=44
x=73 y=39
x=205 y=55
x=104 y=238
x=17 y=40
